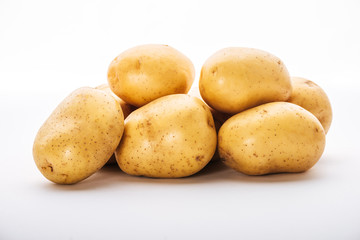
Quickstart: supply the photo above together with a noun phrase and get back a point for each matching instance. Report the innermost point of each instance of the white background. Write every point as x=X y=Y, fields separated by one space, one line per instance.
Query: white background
x=50 y=48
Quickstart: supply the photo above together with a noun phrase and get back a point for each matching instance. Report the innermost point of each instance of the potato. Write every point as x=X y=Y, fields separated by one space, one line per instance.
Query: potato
x=147 y=72
x=79 y=136
x=310 y=96
x=173 y=136
x=125 y=107
x=235 y=79
x=271 y=138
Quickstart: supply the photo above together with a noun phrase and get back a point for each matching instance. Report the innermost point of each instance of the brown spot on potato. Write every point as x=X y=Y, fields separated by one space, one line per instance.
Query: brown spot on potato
x=138 y=64
x=199 y=158
x=310 y=83
x=225 y=155
x=65 y=176
x=148 y=122
x=214 y=71
x=210 y=122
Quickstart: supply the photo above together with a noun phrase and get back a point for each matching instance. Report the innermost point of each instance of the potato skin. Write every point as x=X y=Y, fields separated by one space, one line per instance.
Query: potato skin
x=313 y=98
x=79 y=136
x=235 y=79
x=271 y=138
x=125 y=107
x=219 y=117
x=144 y=73
x=171 y=137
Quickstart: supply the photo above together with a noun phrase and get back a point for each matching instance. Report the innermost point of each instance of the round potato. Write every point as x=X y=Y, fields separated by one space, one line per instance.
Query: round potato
x=313 y=98
x=79 y=137
x=235 y=79
x=173 y=136
x=147 y=72
x=271 y=138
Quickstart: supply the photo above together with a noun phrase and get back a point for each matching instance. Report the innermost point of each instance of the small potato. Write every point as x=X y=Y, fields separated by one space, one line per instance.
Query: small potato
x=271 y=138
x=235 y=79
x=147 y=72
x=171 y=137
x=79 y=136
x=310 y=96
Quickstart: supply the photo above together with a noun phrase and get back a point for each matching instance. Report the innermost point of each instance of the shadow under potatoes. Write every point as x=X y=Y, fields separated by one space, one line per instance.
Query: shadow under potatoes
x=215 y=171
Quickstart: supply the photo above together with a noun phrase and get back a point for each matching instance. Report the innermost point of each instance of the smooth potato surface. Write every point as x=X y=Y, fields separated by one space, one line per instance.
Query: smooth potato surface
x=79 y=136
x=125 y=107
x=147 y=72
x=235 y=79
x=219 y=117
x=271 y=138
x=313 y=98
x=173 y=136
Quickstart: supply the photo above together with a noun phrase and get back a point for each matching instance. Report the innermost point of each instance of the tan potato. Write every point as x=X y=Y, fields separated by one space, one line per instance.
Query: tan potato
x=79 y=136
x=235 y=79
x=147 y=72
x=125 y=107
x=173 y=136
x=271 y=138
x=310 y=96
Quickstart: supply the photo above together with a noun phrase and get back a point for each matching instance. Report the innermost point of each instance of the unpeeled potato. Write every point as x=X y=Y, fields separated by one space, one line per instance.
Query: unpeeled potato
x=79 y=136
x=173 y=136
x=271 y=138
x=235 y=79
x=144 y=73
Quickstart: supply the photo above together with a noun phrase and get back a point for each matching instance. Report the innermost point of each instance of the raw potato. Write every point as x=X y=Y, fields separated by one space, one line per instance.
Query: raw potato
x=310 y=96
x=79 y=136
x=125 y=107
x=173 y=136
x=147 y=72
x=235 y=79
x=271 y=138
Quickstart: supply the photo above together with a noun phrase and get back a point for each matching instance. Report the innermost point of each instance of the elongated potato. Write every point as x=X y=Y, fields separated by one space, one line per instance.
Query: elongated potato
x=79 y=136
x=271 y=138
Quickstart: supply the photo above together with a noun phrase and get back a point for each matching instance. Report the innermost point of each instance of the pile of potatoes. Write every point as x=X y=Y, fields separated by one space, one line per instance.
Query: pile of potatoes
x=247 y=110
